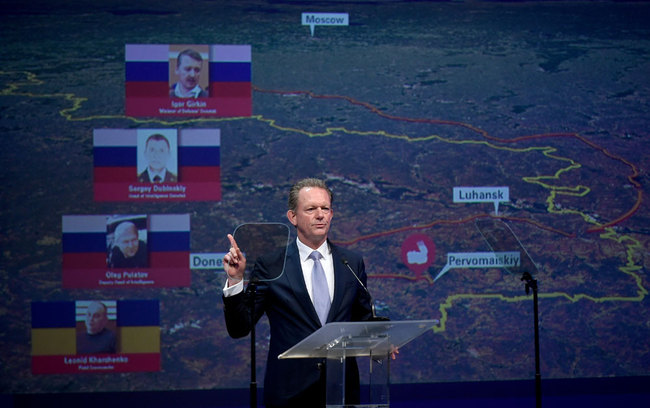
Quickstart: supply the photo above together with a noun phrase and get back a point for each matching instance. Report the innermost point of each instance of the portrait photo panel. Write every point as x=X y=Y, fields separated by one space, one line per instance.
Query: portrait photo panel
x=153 y=165
x=126 y=251
x=95 y=336
x=189 y=80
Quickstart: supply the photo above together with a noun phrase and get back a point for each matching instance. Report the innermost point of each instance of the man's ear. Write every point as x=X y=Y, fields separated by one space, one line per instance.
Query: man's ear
x=292 y=217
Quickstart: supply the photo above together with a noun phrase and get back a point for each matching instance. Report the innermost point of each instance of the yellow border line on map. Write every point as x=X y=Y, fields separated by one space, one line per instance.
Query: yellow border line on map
x=630 y=268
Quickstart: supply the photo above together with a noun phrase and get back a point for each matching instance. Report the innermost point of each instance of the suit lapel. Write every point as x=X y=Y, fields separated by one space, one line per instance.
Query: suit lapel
x=341 y=275
x=293 y=271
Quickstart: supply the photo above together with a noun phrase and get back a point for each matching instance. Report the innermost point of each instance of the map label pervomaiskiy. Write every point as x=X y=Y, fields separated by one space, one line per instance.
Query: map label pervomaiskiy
x=480 y=260
x=482 y=195
x=324 y=19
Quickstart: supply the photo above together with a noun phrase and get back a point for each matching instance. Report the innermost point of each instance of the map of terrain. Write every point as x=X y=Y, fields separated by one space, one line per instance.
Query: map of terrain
x=394 y=111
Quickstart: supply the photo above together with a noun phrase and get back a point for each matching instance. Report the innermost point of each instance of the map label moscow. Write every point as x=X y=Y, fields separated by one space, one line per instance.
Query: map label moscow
x=324 y=19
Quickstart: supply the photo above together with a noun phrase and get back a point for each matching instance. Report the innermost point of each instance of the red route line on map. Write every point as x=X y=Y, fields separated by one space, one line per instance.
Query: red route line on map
x=454 y=222
x=631 y=178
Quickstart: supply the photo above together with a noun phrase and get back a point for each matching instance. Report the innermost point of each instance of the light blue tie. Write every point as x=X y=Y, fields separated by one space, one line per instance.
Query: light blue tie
x=319 y=288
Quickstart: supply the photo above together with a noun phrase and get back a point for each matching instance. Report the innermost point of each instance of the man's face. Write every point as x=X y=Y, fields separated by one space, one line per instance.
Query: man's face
x=189 y=72
x=96 y=318
x=128 y=243
x=157 y=153
x=312 y=216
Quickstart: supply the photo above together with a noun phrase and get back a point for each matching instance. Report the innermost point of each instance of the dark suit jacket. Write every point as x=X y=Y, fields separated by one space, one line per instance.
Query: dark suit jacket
x=116 y=258
x=292 y=317
x=169 y=177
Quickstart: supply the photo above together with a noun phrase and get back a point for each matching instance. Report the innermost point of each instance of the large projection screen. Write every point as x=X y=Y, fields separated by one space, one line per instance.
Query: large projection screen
x=422 y=117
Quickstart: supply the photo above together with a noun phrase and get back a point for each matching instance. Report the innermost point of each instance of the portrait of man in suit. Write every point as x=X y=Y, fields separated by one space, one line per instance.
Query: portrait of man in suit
x=189 y=65
x=157 y=152
x=316 y=287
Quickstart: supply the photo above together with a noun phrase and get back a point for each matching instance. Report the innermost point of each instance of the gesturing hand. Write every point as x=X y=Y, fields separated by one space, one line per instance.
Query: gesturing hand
x=234 y=263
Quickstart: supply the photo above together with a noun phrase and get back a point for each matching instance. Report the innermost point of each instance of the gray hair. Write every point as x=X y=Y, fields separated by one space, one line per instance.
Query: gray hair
x=307 y=182
x=123 y=227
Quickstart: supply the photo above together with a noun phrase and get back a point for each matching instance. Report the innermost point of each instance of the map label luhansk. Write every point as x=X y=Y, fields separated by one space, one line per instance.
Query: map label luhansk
x=482 y=195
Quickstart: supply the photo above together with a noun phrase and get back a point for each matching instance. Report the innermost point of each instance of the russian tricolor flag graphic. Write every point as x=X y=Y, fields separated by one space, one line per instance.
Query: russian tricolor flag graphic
x=119 y=159
x=86 y=246
x=58 y=326
x=150 y=72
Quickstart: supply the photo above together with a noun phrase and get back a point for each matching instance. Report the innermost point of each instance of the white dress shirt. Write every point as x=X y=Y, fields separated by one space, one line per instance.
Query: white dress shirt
x=152 y=174
x=192 y=93
x=308 y=266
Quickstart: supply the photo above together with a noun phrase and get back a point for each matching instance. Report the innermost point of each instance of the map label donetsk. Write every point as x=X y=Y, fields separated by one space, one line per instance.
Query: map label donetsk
x=324 y=19
x=207 y=261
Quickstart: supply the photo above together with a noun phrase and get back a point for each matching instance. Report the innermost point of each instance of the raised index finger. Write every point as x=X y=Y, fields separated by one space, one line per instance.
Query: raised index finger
x=233 y=243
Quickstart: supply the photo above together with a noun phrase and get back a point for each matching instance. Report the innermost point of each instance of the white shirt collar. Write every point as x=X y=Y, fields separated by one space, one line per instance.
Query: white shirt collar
x=194 y=93
x=305 y=251
x=153 y=174
x=306 y=264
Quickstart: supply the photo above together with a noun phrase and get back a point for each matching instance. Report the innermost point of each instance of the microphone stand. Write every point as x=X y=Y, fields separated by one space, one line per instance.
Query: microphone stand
x=500 y=237
x=374 y=317
x=252 y=287
x=532 y=284
x=258 y=239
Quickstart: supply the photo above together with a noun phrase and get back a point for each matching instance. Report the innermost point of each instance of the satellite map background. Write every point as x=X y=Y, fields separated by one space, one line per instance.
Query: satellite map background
x=407 y=102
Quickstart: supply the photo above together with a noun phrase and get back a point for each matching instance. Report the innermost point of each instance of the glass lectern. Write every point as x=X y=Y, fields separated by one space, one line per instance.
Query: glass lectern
x=375 y=339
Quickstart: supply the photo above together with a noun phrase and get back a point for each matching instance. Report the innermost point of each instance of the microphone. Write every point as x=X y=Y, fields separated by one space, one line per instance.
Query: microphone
x=372 y=303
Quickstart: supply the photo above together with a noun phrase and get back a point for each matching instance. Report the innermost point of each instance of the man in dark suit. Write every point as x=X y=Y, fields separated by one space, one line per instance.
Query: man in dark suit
x=316 y=287
x=157 y=152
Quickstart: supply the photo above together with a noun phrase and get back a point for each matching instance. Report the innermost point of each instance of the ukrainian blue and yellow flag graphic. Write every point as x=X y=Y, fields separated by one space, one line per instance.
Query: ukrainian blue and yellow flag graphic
x=58 y=326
